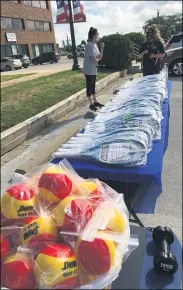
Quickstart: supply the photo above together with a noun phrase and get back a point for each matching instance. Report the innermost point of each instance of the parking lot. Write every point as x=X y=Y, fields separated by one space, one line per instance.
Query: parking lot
x=63 y=64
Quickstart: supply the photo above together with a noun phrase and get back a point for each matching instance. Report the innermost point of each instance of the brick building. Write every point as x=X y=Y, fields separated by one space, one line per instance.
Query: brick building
x=26 y=27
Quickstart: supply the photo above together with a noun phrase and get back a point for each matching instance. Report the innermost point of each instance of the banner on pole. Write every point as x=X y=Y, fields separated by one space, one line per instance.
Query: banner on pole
x=78 y=11
x=63 y=11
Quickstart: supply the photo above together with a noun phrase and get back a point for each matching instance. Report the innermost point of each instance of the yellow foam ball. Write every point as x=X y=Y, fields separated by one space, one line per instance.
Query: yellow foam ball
x=38 y=229
x=117 y=222
x=56 y=266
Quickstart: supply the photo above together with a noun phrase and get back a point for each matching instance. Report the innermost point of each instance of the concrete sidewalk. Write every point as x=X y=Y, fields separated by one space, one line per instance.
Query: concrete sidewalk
x=73 y=121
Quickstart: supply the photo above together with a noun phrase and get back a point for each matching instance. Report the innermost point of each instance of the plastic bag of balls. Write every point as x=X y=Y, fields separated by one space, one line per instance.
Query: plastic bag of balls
x=64 y=232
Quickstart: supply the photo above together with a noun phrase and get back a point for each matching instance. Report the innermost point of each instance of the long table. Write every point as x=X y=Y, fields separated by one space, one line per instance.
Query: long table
x=141 y=185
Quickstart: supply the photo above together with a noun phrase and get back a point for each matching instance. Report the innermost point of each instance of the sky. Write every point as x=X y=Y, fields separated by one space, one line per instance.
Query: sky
x=114 y=16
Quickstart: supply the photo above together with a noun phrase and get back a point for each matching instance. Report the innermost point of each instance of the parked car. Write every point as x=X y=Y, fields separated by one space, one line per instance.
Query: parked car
x=175 y=41
x=173 y=59
x=80 y=53
x=45 y=57
x=8 y=64
x=23 y=58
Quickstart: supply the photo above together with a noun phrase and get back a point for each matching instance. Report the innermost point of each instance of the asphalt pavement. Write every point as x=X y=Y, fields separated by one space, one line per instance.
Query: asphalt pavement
x=63 y=64
x=168 y=211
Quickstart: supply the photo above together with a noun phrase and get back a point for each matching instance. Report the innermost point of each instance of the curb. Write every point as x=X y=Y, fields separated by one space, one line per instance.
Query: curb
x=17 y=134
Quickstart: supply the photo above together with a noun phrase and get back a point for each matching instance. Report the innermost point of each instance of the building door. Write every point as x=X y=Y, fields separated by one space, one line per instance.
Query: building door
x=37 y=49
x=14 y=49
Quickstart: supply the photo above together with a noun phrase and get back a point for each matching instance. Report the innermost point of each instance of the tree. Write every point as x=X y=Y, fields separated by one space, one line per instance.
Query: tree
x=136 y=37
x=83 y=42
x=168 y=24
x=118 y=51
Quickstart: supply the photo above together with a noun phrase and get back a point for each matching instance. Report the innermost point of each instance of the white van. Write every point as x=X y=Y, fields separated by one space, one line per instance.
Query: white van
x=80 y=53
x=174 y=41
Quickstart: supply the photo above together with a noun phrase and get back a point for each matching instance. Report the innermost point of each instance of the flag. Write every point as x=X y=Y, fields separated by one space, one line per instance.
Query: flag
x=78 y=11
x=62 y=12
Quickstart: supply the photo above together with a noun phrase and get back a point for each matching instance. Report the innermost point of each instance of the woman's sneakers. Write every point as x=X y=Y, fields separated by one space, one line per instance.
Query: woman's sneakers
x=93 y=108
x=97 y=104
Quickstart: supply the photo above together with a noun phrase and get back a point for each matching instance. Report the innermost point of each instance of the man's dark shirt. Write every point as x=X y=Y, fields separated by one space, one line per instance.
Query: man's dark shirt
x=151 y=65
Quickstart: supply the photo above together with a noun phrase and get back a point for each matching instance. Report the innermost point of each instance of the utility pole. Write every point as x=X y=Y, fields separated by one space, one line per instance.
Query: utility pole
x=75 y=59
x=157 y=17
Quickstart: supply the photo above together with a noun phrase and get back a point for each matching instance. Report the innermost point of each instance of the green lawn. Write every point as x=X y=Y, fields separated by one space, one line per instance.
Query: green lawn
x=24 y=100
x=12 y=77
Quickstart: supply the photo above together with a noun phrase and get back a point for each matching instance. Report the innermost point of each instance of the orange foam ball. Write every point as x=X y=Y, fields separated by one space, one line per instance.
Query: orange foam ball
x=17 y=272
x=58 y=263
x=19 y=201
x=54 y=185
x=38 y=229
x=96 y=257
x=5 y=246
x=73 y=213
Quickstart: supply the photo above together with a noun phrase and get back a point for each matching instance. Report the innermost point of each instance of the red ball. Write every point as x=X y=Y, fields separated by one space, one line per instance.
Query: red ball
x=96 y=257
x=54 y=185
x=73 y=213
x=5 y=246
x=17 y=272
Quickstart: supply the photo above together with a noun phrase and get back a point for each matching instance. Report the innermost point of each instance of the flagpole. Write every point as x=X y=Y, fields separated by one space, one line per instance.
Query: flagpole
x=75 y=59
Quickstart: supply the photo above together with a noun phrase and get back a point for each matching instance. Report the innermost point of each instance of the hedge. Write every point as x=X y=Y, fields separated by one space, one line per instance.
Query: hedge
x=117 y=52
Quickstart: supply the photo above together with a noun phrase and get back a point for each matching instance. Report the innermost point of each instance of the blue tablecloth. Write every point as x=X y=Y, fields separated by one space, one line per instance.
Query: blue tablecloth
x=149 y=278
x=148 y=176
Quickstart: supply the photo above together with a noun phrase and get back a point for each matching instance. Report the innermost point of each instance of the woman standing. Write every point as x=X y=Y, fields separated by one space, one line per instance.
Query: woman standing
x=152 y=50
x=92 y=56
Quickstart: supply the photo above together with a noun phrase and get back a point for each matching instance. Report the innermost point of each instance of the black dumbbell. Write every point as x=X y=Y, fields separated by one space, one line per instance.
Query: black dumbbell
x=164 y=261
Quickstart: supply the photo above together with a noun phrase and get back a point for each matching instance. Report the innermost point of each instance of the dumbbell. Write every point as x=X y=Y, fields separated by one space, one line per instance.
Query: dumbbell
x=164 y=261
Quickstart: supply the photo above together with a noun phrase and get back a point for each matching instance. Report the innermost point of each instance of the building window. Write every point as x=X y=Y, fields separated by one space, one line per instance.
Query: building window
x=38 y=4
x=38 y=49
x=17 y=23
x=47 y=26
x=38 y=25
x=44 y=5
x=31 y=25
x=12 y=1
x=6 y=23
x=28 y=3
x=11 y=23
x=8 y=50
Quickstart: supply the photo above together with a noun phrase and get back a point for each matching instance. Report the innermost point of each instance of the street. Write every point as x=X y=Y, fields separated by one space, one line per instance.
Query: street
x=63 y=64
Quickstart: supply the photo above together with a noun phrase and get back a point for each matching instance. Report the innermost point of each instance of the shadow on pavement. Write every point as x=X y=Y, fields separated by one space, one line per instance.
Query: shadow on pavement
x=175 y=79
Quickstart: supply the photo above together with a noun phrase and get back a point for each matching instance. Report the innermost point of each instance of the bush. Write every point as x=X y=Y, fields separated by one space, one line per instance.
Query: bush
x=117 y=52
x=136 y=37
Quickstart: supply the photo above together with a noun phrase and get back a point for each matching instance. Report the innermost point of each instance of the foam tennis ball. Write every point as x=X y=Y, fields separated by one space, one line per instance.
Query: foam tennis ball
x=54 y=185
x=117 y=222
x=5 y=246
x=84 y=278
x=38 y=229
x=58 y=263
x=96 y=257
x=73 y=213
x=17 y=272
x=19 y=201
x=92 y=191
